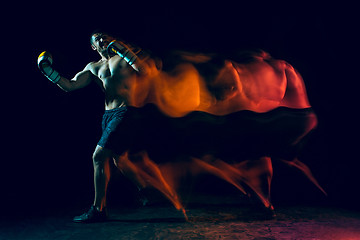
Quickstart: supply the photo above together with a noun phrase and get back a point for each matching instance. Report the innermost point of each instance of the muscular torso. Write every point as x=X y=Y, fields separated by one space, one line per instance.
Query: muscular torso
x=114 y=77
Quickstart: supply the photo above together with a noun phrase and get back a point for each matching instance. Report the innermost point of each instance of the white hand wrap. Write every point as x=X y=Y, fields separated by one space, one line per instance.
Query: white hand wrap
x=44 y=63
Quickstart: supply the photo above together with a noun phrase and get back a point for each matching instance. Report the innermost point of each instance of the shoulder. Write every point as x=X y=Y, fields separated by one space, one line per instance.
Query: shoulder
x=93 y=67
x=90 y=66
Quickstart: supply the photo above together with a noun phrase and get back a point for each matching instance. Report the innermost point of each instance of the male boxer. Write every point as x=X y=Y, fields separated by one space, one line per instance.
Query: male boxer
x=112 y=73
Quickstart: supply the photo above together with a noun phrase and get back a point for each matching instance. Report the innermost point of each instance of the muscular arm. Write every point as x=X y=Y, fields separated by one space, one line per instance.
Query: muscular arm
x=80 y=80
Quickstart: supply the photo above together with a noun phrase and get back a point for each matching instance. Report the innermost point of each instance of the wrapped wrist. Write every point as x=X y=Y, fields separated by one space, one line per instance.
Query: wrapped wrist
x=125 y=52
x=52 y=75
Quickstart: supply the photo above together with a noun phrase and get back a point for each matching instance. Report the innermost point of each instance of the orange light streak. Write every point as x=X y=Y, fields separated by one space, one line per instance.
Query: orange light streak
x=259 y=85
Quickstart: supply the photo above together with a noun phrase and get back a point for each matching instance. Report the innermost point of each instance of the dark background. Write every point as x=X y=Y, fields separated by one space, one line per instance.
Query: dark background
x=49 y=135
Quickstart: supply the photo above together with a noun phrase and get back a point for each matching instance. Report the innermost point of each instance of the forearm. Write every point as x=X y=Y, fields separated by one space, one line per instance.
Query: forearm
x=135 y=57
x=66 y=84
x=80 y=80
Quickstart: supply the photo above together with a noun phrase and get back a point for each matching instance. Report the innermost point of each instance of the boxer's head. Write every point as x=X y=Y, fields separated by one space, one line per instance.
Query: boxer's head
x=100 y=40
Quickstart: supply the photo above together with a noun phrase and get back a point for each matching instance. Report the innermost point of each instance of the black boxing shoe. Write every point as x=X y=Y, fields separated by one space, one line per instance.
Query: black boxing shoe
x=92 y=216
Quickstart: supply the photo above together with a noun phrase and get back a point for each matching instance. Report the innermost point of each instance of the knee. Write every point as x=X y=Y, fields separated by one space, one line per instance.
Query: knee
x=100 y=156
x=97 y=158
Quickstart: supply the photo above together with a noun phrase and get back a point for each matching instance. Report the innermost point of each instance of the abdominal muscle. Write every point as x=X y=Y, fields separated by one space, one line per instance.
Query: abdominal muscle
x=113 y=99
x=114 y=104
x=115 y=96
x=115 y=77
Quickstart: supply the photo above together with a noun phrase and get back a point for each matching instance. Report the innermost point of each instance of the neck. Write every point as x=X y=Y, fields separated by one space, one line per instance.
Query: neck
x=106 y=56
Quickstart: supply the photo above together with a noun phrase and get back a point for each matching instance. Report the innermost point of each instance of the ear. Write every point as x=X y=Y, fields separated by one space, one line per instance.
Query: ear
x=93 y=47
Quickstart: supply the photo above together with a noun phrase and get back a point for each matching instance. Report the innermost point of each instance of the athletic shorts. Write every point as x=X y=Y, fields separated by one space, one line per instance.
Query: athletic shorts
x=110 y=120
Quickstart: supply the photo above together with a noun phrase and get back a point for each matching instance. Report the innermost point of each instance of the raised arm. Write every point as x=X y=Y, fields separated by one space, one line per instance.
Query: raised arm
x=81 y=79
x=138 y=59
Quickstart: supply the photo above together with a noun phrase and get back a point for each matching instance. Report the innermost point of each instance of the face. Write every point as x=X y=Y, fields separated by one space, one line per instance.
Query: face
x=100 y=41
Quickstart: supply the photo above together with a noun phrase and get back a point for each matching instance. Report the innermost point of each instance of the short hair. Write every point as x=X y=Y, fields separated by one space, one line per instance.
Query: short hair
x=96 y=31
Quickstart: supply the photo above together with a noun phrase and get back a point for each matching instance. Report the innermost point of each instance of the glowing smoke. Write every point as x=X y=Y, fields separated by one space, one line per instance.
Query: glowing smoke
x=259 y=85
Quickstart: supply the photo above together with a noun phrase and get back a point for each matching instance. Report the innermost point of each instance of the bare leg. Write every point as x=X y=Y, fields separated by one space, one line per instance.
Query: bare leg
x=101 y=161
x=97 y=213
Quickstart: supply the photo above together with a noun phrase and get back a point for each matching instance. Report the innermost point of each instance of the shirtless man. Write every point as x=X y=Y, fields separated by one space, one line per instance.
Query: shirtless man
x=112 y=73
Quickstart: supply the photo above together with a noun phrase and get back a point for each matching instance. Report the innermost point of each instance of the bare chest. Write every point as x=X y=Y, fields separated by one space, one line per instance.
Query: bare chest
x=112 y=71
x=104 y=69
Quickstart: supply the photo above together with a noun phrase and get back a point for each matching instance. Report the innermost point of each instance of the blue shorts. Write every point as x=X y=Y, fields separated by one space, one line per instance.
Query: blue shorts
x=110 y=120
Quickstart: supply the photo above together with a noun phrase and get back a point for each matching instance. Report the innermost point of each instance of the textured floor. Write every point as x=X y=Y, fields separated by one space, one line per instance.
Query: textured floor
x=205 y=222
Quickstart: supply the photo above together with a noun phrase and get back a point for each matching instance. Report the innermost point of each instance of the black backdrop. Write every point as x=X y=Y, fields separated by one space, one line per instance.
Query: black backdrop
x=49 y=135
